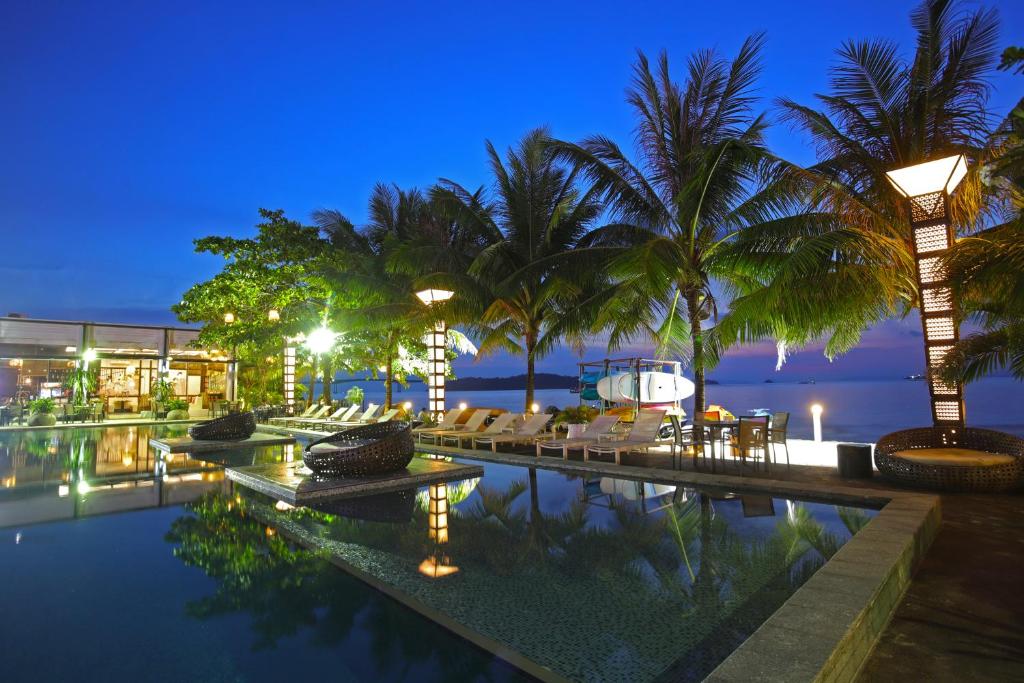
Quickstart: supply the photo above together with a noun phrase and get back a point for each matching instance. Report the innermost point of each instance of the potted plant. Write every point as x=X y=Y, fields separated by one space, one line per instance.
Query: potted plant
x=177 y=409
x=574 y=419
x=41 y=413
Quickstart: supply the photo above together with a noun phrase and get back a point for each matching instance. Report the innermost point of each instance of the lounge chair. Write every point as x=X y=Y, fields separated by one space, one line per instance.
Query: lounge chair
x=448 y=422
x=525 y=433
x=500 y=424
x=367 y=417
x=389 y=415
x=473 y=424
x=308 y=412
x=642 y=436
x=598 y=427
x=339 y=415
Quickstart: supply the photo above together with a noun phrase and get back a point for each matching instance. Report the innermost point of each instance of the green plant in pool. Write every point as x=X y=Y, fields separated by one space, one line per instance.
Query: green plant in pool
x=355 y=396
x=41 y=406
x=177 y=409
x=41 y=411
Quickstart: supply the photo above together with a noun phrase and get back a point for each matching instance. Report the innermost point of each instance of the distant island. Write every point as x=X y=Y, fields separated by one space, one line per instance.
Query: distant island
x=542 y=380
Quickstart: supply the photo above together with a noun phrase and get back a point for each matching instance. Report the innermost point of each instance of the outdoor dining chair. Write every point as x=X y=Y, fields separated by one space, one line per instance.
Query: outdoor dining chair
x=777 y=434
x=751 y=440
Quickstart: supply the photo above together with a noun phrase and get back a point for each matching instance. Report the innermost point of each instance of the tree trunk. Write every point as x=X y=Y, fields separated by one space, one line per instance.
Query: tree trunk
x=312 y=384
x=697 y=335
x=389 y=379
x=530 y=364
x=328 y=379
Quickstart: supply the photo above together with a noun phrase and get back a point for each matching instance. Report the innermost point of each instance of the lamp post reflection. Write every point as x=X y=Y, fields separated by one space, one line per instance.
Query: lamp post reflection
x=438 y=564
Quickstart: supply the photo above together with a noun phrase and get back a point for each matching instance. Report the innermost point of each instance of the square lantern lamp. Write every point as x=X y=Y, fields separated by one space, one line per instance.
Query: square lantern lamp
x=437 y=363
x=927 y=188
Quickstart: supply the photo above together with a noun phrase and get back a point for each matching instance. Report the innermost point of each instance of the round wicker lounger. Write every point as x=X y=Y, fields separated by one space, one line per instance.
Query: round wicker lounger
x=371 y=449
x=969 y=459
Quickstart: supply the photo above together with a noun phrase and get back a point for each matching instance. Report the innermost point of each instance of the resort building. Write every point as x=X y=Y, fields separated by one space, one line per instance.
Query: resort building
x=36 y=355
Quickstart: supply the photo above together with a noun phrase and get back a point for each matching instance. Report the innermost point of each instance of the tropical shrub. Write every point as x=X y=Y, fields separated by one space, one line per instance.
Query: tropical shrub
x=42 y=406
x=355 y=396
x=575 y=415
x=176 y=404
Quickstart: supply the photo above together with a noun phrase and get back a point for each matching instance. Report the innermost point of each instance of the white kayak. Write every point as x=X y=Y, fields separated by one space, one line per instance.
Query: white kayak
x=654 y=387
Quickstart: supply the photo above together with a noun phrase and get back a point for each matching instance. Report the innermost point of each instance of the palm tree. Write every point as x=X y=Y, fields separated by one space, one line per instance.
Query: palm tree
x=378 y=269
x=527 y=289
x=836 y=255
x=700 y=150
x=988 y=268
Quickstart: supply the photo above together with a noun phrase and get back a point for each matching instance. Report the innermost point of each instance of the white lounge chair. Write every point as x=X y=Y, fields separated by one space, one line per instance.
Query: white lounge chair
x=598 y=427
x=367 y=417
x=525 y=432
x=642 y=436
x=447 y=422
x=339 y=415
x=473 y=424
x=308 y=412
x=502 y=422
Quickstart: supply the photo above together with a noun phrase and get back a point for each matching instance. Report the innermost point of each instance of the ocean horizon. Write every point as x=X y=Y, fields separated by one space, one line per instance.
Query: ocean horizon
x=854 y=410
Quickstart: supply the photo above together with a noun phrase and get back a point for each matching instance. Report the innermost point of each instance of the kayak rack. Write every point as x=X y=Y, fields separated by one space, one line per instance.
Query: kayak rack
x=591 y=372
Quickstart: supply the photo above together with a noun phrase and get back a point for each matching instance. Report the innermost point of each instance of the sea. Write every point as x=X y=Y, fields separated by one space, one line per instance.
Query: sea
x=855 y=410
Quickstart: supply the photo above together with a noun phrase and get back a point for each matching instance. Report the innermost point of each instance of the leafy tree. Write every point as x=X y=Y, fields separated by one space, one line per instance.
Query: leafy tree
x=277 y=269
x=836 y=254
x=700 y=149
x=527 y=289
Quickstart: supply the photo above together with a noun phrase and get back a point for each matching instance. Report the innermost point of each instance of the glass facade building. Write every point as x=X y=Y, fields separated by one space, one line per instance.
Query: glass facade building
x=36 y=355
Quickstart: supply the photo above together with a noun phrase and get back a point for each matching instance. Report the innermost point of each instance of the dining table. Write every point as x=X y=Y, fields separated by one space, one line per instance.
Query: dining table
x=717 y=429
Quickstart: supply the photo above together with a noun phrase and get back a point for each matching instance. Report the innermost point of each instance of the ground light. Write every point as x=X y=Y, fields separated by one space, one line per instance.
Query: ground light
x=816 y=411
x=927 y=188
x=437 y=362
x=463 y=405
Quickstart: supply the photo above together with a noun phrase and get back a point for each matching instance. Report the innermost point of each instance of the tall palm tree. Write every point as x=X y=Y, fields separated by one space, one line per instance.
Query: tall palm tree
x=837 y=254
x=525 y=290
x=410 y=237
x=700 y=149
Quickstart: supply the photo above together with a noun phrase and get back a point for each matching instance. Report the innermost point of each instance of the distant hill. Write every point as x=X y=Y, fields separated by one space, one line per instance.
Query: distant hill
x=542 y=380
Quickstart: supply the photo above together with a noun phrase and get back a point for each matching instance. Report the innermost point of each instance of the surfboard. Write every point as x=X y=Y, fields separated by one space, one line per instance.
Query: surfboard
x=653 y=387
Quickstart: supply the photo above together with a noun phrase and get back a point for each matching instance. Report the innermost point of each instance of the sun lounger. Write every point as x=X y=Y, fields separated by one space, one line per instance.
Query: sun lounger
x=447 y=422
x=308 y=412
x=642 y=436
x=598 y=427
x=500 y=424
x=475 y=421
x=525 y=433
x=366 y=417
x=339 y=415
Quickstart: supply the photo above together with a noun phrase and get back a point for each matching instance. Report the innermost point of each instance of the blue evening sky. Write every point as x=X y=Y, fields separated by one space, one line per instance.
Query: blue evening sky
x=129 y=129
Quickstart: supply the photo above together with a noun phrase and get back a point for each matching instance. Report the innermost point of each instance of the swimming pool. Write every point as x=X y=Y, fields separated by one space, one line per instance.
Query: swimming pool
x=136 y=568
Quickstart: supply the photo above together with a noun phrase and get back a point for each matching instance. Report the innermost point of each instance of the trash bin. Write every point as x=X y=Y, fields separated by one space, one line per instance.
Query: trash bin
x=854 y=460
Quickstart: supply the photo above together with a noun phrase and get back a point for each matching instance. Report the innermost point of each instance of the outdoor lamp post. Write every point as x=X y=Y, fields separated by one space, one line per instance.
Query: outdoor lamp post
x=437 y=363
x=927 y=188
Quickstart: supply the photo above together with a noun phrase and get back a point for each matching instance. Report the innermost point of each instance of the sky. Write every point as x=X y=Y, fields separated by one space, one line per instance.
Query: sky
x=130 y=129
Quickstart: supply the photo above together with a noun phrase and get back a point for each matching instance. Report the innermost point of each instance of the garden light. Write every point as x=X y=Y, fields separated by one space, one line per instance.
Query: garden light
x=927 y=187
x=816 y=411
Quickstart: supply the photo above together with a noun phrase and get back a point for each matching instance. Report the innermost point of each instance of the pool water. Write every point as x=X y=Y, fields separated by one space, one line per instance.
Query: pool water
x=121 y=565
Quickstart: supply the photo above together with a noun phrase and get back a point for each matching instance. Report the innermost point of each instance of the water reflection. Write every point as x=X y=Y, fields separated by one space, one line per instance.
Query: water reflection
x=288 y=591
x=47 y=475
x=591 y=577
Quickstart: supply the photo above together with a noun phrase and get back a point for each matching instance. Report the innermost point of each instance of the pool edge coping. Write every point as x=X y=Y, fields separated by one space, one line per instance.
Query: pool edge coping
x=819 y=633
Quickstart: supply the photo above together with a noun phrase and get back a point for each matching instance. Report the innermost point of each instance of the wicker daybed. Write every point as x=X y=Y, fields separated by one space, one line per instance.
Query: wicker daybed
x=232 y=427
x=943 y=459
x=372 y=449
